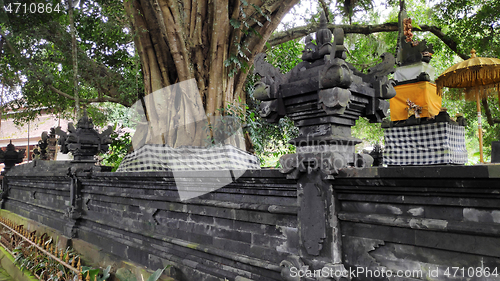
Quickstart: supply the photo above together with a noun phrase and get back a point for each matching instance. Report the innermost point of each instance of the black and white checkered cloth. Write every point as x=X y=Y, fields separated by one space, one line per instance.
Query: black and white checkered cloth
x=157 y=157
x=438 y=143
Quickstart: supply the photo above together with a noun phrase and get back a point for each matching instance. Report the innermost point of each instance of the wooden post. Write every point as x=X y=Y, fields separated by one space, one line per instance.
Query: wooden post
x=479 y=128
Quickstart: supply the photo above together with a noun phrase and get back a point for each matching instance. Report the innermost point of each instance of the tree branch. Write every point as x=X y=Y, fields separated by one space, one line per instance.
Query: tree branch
x=325 y=9
x=445 y=38
x=61 y=93
x=492 y=121
x=302 y=31
x=100 y=99
x=95 y=73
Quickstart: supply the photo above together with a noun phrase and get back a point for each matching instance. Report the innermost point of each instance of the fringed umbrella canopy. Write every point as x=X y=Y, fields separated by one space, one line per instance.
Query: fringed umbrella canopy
x=477 y=76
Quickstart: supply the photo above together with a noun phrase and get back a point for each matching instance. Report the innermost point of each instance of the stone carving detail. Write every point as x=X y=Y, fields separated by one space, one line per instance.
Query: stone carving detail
x=309 y=50
x=11 y=157
x=84 y=141
x=150 y=215
x=357 y=252
x=48 y=141
x=271 y=76
x=327 y=162
x=271 y=107
x=334 y=100
x=335 y=73
x=74 y=211
x=313 y=228
x=324 y=96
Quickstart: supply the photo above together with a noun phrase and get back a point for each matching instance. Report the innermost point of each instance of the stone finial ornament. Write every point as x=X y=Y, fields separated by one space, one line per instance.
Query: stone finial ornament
x=11 y=157
x=323 y=35
x=84 y=142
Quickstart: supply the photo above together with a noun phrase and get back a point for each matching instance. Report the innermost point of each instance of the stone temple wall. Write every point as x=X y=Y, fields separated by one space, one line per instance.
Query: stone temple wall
x=398 y=218
x=433 y=220
x=244 y=229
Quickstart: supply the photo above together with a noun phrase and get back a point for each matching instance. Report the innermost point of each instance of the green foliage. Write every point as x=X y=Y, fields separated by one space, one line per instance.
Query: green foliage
x=455 y=102
x=365 y=50
x=93 y=272
x=121 y=145
x=156 y=275
x=285 y=56
x=471 y=23
x=368 y=133
x=108 y=66
x=271 y=140
x=348 y=8
x=28 y=257
x=110 y=113
x=245 y=24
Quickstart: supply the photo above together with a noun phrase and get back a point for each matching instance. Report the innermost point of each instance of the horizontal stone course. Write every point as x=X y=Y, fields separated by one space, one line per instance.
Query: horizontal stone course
x=245 y=230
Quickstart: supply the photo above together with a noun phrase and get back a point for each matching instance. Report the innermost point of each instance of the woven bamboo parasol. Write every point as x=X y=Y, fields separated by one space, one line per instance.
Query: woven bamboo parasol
x=478 y=77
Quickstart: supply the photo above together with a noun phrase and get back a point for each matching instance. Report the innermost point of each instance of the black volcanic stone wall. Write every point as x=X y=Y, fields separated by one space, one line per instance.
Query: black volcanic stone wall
x=421 y=218
x=245 y=228
x=396 y=218
x=242 y=230
x=39 y=193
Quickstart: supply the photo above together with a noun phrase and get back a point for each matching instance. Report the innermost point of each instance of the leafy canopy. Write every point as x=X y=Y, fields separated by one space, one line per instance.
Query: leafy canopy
x=36 y=63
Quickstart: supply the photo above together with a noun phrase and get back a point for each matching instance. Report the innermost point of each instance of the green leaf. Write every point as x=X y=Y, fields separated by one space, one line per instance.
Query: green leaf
x=89 y=270
x=105 y=274
x=258 y=9
x=235 y=23
x=257 y=22
x=156 y=275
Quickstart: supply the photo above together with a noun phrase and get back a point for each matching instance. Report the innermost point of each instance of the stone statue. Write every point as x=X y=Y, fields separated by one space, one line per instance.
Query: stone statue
x=409 y=51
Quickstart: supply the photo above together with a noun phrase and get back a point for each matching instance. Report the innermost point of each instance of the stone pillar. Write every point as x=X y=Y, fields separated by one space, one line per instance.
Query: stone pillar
x=324 y=96
x=319 y=229
x=84 y=142
x=10 y=158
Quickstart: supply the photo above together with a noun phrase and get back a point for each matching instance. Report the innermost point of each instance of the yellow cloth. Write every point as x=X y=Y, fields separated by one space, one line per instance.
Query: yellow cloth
x=421 y=93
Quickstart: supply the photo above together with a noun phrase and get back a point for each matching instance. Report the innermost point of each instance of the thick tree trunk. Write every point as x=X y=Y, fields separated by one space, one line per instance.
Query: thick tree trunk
x=181 y=40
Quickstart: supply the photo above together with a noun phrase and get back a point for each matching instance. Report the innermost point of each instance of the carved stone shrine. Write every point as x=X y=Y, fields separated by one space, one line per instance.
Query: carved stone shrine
x=324 y=96
x=11 y=157
x=84 y=142
x=420 y=131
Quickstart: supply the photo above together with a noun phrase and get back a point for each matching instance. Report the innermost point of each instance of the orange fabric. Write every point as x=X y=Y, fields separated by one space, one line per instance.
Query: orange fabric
x=421 y=93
